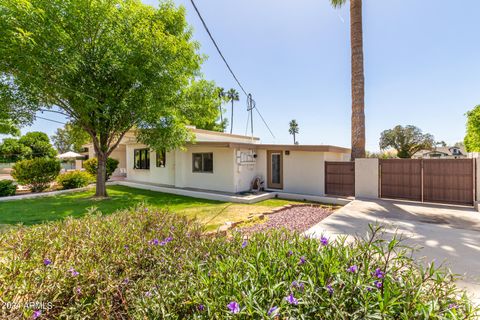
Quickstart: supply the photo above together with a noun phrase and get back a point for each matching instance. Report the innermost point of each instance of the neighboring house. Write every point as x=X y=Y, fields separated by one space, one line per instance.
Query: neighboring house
x=441 y=153
x=225 y=162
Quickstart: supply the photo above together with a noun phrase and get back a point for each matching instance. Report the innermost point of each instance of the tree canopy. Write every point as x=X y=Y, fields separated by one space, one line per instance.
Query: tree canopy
x=109 y=66
x=69 y=138
x=406 y=140
x=293 y=129
x=472 y=138
x=31 y=145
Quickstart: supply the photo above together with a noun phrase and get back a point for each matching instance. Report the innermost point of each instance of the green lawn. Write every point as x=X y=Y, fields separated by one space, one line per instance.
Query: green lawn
x=211 y=213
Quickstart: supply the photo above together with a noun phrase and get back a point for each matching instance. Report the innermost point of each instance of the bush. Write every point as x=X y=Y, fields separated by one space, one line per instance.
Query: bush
x=7 y=188
x=146 y=264
x=91 y=166
x=36 y=173
x=75 y=179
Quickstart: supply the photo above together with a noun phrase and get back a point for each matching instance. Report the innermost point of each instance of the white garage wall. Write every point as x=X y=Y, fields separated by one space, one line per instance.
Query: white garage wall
x=156 y=175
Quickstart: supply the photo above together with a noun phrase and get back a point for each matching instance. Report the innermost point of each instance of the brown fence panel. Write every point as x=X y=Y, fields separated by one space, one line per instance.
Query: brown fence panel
x=401 y=179
x=340 y=178
x=448 y=181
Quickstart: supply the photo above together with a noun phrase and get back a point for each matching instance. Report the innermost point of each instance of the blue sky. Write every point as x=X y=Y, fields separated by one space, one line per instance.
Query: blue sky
x=422 y=65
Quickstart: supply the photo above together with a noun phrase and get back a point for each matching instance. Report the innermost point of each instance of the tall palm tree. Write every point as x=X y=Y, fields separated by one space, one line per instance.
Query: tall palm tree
x=293 y=130
x=358 y=78
x=221 y=95
x=232 y=95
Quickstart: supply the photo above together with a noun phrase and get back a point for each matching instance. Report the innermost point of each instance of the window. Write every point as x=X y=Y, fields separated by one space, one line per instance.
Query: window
x=161 y=159
x=141 y=159
x=202 y=162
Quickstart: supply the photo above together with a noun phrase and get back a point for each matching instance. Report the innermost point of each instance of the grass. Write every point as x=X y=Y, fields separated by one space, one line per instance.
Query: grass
x=209 y=212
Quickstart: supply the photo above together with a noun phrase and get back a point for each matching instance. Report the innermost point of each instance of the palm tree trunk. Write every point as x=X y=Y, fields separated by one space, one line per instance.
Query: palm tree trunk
x=294 y=140
x=358 y=80
x=231 y=119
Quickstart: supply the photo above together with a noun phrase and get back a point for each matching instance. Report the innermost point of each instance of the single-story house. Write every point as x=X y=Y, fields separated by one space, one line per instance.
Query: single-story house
x=224 y=162
x=441 y=153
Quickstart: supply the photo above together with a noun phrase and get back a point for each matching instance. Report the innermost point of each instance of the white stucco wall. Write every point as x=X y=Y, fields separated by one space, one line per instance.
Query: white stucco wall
x=222 y=178
x=304 y=172
x=156 y=175
x=366 y=178
x=244 y=173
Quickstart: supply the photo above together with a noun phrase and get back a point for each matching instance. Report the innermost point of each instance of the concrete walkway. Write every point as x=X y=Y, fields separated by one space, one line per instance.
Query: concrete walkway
x=445 y=234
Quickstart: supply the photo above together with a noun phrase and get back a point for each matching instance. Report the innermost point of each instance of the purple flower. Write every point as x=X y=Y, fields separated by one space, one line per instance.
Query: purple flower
x=324 y=241
x=289 y=253
x=302 y=260
x=272 y=310
x=200 y=307
x=148 y=294
x=298 y=285
x=167 y=240
x=291 y=299
x=378 y=284
x=452 y=306
x=78 y=290
x=163 y=243
x=352 y=269
x=47 y=261
x=234 y=307
x=154 y=242
x=369 y=289
x=126 y=247
x=125 y=281
x=73 y=272
x=146 y=210
x=378 y=273
x=36 y=314
x=244 y=244
x=329 y=289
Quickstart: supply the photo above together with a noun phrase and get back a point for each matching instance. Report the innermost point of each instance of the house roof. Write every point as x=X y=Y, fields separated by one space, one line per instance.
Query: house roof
x=224 y=134
x=445 y=150
x=291 y=147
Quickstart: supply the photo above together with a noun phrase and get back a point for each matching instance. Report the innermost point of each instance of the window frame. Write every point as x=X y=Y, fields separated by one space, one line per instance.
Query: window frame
x=164 y=156
x=144 y=161
x=202 y=163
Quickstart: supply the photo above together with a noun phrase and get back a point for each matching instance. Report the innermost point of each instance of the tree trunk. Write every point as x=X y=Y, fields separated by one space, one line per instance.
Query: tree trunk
x=101 y=187
x=231 y=125
x=294 y=140
x=358 y=80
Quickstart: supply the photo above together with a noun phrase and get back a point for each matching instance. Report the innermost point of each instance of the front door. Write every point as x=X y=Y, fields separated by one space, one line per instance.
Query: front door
x=275 y=169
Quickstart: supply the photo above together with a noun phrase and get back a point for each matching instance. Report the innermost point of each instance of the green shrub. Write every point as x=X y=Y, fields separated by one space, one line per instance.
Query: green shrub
x=7 y=188
x=75 y=179
x=36 y=173
x=146 y=264
x=91 y=166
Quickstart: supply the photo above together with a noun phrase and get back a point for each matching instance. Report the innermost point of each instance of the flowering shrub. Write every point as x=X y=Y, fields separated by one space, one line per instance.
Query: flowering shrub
x=146 y=264
x=75 y=179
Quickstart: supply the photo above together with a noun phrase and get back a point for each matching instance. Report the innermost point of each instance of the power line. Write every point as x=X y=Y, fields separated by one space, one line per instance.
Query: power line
x=50 y=120
x=230 y=69
x=218 y=49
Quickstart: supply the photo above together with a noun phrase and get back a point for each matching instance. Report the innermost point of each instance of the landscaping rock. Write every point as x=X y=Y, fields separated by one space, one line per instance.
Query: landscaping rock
x=294 y=218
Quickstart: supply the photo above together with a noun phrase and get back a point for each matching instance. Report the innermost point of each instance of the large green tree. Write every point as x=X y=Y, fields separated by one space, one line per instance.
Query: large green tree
x=32 y=145
x=406 y=140
x=70 y=138
x=358 y=77
x=472 y=138
x=109 y=66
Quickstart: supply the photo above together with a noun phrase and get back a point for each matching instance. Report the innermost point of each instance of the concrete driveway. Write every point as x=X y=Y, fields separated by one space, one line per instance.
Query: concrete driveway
x=446 y=234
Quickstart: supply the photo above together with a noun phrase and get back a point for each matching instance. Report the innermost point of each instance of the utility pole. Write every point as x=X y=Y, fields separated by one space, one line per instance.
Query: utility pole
x=250 y=106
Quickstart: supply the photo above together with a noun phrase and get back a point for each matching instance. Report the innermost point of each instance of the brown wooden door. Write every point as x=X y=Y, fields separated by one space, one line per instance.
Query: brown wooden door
x=448 y=181
x=275 y=169
x=340 y=178
x=401 y=179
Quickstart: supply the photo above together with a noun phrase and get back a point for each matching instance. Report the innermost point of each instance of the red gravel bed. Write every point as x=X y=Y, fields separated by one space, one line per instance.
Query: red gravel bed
x=296 y=218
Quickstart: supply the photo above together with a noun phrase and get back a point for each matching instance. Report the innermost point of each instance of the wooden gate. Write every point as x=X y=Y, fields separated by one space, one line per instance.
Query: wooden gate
x=340 y=178
x=429 y=180
x=448 y=181
x=401 y=179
